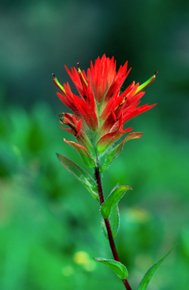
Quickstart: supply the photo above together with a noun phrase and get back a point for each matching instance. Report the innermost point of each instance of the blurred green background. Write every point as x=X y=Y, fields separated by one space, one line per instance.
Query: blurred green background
x=50 y=228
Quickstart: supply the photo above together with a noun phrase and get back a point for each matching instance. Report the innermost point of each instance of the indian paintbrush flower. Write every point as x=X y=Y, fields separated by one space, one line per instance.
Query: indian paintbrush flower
x=101 y=109
x=98 y=117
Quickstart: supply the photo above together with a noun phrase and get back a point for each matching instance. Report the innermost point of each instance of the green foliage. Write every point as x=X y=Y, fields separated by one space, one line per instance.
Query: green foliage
x=111 y=153
x=115 y=220
x=109 y=208
x=113 y=199
x=80 y=174
x=88 y=161
x=149 y=274
x=117 y=267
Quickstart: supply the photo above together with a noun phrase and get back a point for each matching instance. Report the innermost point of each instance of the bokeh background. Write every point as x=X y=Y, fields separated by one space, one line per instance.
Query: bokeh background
x=50 y=228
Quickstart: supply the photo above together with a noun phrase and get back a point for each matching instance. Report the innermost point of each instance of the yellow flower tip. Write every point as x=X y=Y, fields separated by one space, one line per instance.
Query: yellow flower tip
x=147 y=83
x=57 y=83
x=81 y=74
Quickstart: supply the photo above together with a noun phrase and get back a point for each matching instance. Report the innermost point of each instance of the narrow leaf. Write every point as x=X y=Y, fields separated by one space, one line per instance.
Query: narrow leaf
x=117 y=267
x=82 y=150
x=149 y=274
x=111 y=154
x=80 y=174
x=115 y=220
x=113 y=199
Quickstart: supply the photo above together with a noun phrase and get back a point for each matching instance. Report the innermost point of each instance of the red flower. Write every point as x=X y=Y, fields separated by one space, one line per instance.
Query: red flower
x=100 y=109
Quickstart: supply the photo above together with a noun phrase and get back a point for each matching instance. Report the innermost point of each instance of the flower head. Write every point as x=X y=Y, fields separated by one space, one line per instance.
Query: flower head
x=100 y=109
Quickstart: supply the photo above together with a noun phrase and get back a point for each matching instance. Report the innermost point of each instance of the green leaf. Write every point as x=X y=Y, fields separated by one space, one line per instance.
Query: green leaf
x=112 y=153
x=117 y=267
x=149 y=274
x=80 y=174
x=87 y=159
x=113 y=199
x=115 y=220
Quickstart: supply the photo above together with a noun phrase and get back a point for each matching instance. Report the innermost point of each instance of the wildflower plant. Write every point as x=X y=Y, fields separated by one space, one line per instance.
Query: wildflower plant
x=97 y=119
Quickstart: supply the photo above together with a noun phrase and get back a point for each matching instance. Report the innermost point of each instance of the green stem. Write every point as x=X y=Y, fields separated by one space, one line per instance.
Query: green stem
x=108 y=226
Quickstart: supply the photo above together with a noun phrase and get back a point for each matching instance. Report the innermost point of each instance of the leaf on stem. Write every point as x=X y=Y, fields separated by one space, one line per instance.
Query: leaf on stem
x=149 y=274
x=87 y=159
x=113 y=199
x=85 y=178
x=112 y=153
x=115 y=220
x=117 y=267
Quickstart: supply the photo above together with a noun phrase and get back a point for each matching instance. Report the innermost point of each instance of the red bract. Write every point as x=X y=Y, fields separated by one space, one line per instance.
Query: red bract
x=100 y=109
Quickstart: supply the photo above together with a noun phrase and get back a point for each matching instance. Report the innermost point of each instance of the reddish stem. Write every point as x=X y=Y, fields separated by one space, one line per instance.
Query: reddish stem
x=108 y=226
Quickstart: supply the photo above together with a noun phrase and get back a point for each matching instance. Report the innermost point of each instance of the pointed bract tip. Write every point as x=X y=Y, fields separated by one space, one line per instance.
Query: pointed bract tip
x=156 y=73
x=57 y=83
x=81 y=74
x=147 y=83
